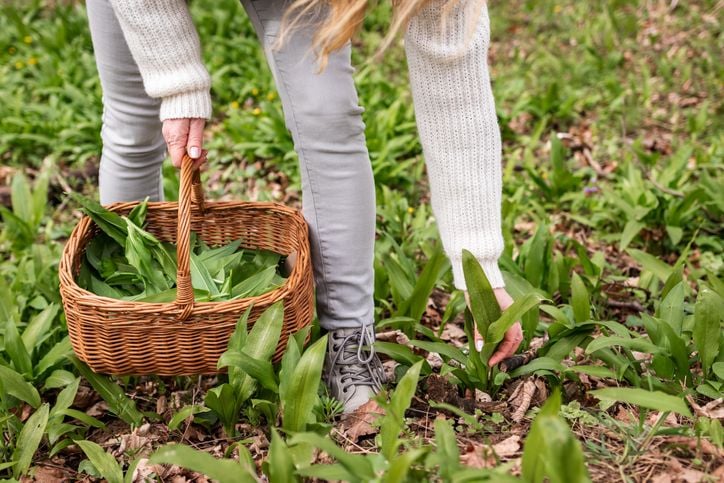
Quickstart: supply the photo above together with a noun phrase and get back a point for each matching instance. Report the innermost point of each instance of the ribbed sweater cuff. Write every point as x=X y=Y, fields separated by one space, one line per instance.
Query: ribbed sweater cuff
x=490 y=267
x=192 y=104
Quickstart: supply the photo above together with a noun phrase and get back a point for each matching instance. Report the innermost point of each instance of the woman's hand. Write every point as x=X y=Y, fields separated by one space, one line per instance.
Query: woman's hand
x=513 y=337
x=185 y=136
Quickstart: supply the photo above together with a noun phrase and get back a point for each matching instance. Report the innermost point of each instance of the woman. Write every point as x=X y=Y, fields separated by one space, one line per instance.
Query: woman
x=156 y=97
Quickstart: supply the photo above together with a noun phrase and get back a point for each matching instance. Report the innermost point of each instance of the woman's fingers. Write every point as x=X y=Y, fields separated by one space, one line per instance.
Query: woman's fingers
x=176 y=134
x=195 y=138
x=478 y=339
x=509 y=344
x=184 y=136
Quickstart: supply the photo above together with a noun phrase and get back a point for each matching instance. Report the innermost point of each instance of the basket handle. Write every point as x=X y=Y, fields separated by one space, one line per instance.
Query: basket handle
x=189 y=192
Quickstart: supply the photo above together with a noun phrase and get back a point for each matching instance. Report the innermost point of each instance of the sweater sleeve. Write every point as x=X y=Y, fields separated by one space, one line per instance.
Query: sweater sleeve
x=459 y=132
x=165 y=45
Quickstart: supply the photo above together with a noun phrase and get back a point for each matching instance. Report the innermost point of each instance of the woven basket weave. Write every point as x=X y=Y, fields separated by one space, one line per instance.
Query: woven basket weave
x=185 y=337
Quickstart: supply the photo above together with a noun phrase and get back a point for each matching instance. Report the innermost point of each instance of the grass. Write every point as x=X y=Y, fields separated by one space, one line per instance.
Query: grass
x=611 y=121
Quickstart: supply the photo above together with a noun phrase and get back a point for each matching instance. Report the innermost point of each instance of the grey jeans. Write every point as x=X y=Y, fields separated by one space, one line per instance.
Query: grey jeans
x=325 y=120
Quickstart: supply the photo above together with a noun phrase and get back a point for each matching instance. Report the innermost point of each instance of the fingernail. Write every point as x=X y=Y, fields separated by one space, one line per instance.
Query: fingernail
x=194 y=152
x=478 y=345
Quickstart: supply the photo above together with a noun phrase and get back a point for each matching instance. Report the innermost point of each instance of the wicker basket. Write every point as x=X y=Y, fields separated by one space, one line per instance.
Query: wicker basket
x=185 y=337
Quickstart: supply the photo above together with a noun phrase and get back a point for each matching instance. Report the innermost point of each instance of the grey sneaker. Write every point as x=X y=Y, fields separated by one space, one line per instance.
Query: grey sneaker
x=352 y=373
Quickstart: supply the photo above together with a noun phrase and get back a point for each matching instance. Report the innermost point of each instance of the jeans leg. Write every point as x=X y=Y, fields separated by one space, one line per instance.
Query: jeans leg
x=338 y=193
x=133 y=145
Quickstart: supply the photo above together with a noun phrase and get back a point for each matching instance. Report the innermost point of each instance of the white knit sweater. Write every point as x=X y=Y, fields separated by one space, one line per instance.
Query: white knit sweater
x=452 y=96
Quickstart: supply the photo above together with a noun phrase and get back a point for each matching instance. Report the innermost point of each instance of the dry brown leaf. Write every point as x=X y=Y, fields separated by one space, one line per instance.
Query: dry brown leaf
x=478 y=456
x=713 y=409
x=521 y=398
x=360 y=422
x=507 y=447
x=454 y=334
x=47 y=474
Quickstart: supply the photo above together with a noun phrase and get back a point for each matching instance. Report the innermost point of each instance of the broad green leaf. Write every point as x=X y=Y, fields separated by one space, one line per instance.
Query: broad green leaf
x=671 y=309
x=358 y=467
x=65 y=397
x=140 y=257
x=637 y=344
x=447 y=452
x=260 y=370
x=394 y=417
x=13 y=383
x=222 y=470
x=137 y=216
x=484 y=306
x=29 y=440
x=39 y=327
x=659 y=268
x=708 y=323
x=104 y=462
x=183 y=414
x=541 y=363
x=442 y=348
x=302 y=391
x=290 y=359
x=630 y=230
x=279 y=467
x=513 y=313
x=58 y=378
x=59 y=352
x=551 y=451
x=21 y=199
x=109 y=222
x=201 y=278
x=657 y=400
x=120 y=404
x=598 y=371
x=580 y=299
x=400 y=353
x=400 y=465
x=417 y=303
x=82 y=417
x=16 y=349
x=261 y=343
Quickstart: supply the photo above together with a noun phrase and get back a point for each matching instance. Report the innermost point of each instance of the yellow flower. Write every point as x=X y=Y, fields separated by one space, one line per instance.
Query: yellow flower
x=255 y=92
x=271 y=96
x=557 y=9
x=234 y=105
x=410 y=209
x=32 y=61
x=28 y=39
x=11 y=50
x=19 y=64
x=256 y=111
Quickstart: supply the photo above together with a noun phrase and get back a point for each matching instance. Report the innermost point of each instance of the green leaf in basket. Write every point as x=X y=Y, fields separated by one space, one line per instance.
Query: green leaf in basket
x=109 y=222
x=103 y=289
x=217 y=253
x=201 y=278
x=139 y=256
x=138 y=213
x=254 y=284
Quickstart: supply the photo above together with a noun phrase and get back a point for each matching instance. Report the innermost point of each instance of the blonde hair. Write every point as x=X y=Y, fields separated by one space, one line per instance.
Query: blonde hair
x=337 y=21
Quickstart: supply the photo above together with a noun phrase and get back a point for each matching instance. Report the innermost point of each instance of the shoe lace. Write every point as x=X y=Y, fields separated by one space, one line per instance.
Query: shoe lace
x=354 y=367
